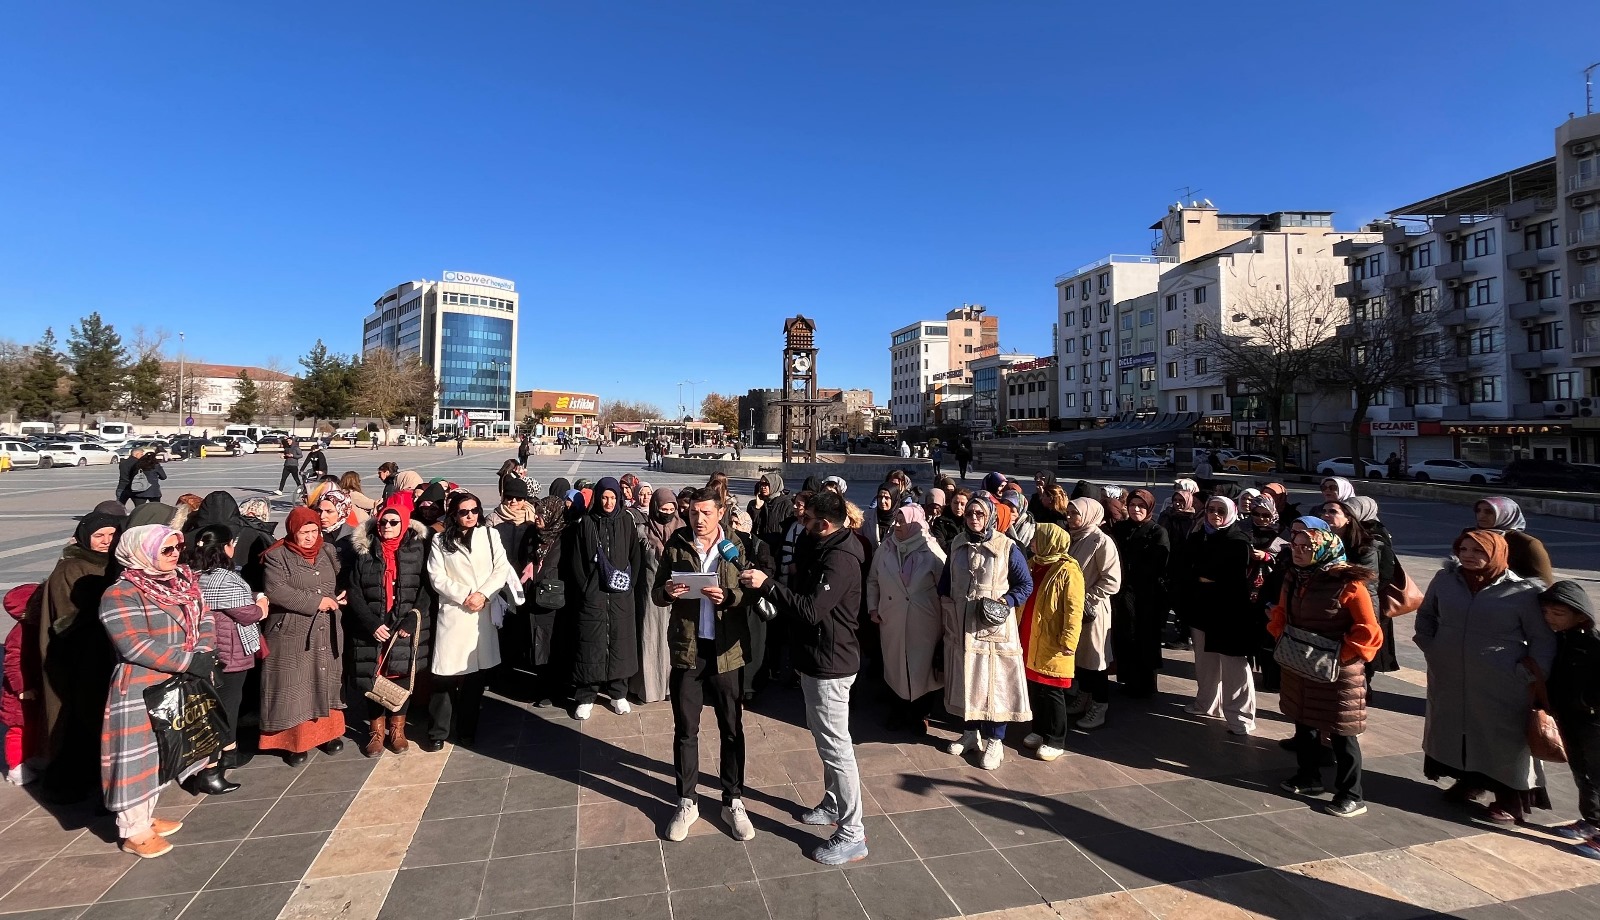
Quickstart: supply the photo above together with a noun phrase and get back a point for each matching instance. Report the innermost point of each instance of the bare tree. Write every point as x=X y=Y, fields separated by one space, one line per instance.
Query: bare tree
x=622 y=410
x=1272 y=339
x=389 y=387
x=276 y=394
x=145 y=343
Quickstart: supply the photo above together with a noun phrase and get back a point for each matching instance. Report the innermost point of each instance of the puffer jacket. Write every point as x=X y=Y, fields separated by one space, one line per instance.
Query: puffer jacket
x=366 y=609
x=1334 y=603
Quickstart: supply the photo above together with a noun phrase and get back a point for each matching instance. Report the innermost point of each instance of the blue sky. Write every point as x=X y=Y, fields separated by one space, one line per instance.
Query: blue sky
x=666 y=182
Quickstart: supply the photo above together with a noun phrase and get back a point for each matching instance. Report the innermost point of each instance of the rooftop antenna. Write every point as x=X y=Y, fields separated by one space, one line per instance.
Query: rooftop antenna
x=1187 y=193
x=1588 y=88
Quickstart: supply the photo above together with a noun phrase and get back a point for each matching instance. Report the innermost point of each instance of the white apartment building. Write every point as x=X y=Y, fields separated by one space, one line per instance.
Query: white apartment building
x=1105 y=341
x=927 y=356
x=464 y=326
x=1281 y=255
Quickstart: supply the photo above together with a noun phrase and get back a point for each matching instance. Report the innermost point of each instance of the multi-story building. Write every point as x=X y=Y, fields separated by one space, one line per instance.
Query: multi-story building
x=1504 y=276
x=1030 y=394
x=1283 y=263
x=928 y=356
x=988 y=409
x=464 y=327
x=1106 y=335
x=564 y=411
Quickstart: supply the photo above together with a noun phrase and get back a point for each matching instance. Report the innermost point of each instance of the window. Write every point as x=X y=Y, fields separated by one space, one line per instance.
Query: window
x=1180 y=404
x=1105 y=311
x=1088 y=343
x=1086 y=290
x=1147 y=376
x=1070 y=317
x=1069 y=373
x=1147 y=317
x=1125 y=347
x=1105 y=339
x=1563 y=385
x=1201 y=366
x=1125 y=378
x=1478 y=293
x=1105 y=281
x=1217 y=404
x=1200 y=294
x=1547 y=335
x=1428 y=345
x=1420 y=256
x=1540 y=235
x=1172 y=370
x=1069 y=400
x=1105 y=369
x=1544 y=284
x=1172 y=302
x=1481 y=243
x=1069 y=346
x=1480 y=390
x=214 y=407
x=1485 y=341
x=1199 y=332
x=1127 y=322
x=1364 y=310
x=1172 y=336
x=1374 y=265
x=1423 y=301
x=1105 y=399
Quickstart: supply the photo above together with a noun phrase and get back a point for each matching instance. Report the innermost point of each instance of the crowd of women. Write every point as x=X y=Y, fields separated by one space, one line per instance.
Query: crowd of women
x=986 y=608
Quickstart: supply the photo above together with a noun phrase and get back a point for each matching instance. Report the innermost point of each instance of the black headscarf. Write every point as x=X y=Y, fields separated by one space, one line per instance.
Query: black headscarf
x=606 y=484
x=1087 y=489
x=559 y=487
x=91 y=522
x=217 y=509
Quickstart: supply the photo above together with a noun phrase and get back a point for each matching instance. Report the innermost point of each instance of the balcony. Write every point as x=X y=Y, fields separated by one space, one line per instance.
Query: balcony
x=1527 y=411
x=1583 y=235
x=1586 y=351
x=1344 y=249
x=1400 y=234
x=1584 y=292
x=1454 y=364
x=1547 y=308
x=1583 y=183
x=1465 y=413
x=1463 y=316
x=1348 y=290
x=1451 y=271
x=1348 y=330
x=1529 y=258
x=1536 y=360
x=1528 y=207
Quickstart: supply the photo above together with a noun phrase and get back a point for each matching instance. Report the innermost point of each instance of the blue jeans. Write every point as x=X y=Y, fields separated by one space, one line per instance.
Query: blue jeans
x=828 y=717
x=994 y=730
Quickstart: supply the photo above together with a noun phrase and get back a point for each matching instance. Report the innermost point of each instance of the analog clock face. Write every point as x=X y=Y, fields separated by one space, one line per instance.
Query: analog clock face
x=800 y=363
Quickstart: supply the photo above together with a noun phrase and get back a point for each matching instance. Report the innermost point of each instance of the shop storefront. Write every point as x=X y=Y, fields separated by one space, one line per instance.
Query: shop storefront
x=1489 y=443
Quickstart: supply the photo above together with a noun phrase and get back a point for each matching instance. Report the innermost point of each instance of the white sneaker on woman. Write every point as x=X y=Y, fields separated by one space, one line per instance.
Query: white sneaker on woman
x=620 y=707
x=993 y=754
x=583 y=711
x=967 y=742
x=1047 y=753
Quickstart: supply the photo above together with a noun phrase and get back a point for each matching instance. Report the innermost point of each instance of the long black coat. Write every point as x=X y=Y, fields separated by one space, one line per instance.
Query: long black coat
x=1139 y=608
x=603 y=622
x=366 y=608
x=1220 y=605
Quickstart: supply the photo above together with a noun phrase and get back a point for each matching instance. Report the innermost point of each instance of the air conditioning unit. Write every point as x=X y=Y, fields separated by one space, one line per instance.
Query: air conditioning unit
x=1530 y=375
x=1558 y=408
x=1582 y=201
x=1453 y=283
x=1529 y=322
x=1398 y=247
x=1588 y=402
x=1585 y=413
x=1526 y=273
x=1451 y=236
x=1590 y=308
x=1582 y=148
x=1514 y=223
x=1588 y=255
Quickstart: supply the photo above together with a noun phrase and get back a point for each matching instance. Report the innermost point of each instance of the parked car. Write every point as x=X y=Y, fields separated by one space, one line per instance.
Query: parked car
x=1250 y=463
x=22 y=453
x=1453 y=471
x=1549 y=474
x=187 y=446
x=1346 y=466
x=238 y=446
x=77 y=453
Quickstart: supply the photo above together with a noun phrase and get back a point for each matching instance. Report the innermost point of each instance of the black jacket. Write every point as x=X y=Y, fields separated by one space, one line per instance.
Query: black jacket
x=1214 y=590
x=1574 y=683
x=366 y=609
x=823 y=606
x=316 y=462
x=603 y=623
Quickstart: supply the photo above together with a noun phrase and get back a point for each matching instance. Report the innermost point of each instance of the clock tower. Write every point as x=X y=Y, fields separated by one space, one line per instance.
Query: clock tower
x=799 y=402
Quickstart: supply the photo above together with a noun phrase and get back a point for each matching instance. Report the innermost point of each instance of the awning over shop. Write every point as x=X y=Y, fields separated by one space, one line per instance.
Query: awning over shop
x=1124 y=431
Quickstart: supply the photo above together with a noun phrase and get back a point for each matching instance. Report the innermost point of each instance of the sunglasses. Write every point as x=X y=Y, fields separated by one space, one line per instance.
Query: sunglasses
x=463 y=512
x=172 y=550
x=389 y=522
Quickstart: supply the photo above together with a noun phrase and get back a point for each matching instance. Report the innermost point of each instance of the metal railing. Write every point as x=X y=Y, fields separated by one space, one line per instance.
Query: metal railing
x=1579 y=183
x=1583 y=235
x=1115 y=258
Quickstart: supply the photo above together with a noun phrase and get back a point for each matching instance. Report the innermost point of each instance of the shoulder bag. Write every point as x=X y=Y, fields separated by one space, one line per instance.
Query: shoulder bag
x=1544 y=738
x=1313 y=657
x=388 y=693
x=612 y=579
x=994 y=612
x=1401 y=595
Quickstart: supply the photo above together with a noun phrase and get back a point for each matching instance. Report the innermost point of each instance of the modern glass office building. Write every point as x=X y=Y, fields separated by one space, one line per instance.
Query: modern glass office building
x=464 y=326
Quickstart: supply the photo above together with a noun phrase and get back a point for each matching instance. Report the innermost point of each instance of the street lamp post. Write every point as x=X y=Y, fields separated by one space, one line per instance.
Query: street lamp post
x=181 y=416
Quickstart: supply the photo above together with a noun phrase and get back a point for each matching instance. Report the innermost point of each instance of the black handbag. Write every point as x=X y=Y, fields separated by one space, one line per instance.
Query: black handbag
x=187 y=721
x=550 y=595
x=1309 y=655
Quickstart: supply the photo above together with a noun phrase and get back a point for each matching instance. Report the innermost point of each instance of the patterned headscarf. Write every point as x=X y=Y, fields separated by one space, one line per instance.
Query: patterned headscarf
x=1247 y=500
x=1326 y=549
x=178 y=589
x=982 y=500
x=1507 y=513
x=1313 y=523
x=258 y=508
x=341 y=501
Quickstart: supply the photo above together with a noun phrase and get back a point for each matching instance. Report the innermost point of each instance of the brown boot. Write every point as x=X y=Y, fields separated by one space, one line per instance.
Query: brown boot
x=397 y=734
x=378 y=728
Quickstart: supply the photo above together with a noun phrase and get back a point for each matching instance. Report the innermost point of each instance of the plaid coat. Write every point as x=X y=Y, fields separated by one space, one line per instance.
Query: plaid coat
x=151 y=647
x=302 y=677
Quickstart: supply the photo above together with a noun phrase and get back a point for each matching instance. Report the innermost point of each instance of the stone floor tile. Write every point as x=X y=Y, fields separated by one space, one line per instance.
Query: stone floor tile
x=1269 y=893
x=257 y=902
x=415 y=767
x=1419 y=881
x=1201 y=799
x=434 y=893
x=1118 y=905
x=1165 y=855
x=466 y=799
x=981 y=882
x=12 y=874
x=939 y=832
x=655 y=906
x=543 y=831
x=1185 y=901
x=1008 y=824
x=68 y=880
x=36 y=838
x=1401 y=828
x=267 y=860
x=740 y=901
x=162 y=907
x=362 y=851
x=377 y=805
x=1546 y=858
x=473 y=765
x=1266 y=842
x=1482 y=869
x=968 y=785
x=186 y=868
x=541 y=790
x=808 y=897
x=897 y=793
x=1557 y=905
x=1336 y=836
x=451 y=840
x=1350 y=893
x=700 y=862
x=1059 y=871
x=614 y=823
x=223 y=821
x=306 y=814
x=323 y=776
x=346 y=897
x=620 y=871
x=787 y=850
x=266 y=782
x=529 y=882
x=900 y=891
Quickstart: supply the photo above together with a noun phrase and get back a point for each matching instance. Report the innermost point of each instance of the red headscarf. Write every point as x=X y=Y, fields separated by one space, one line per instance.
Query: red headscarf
x=299 y=517
x=391 y=567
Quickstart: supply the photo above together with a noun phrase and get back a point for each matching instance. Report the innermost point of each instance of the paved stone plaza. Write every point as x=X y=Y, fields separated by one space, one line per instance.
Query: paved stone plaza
x=1158 y=815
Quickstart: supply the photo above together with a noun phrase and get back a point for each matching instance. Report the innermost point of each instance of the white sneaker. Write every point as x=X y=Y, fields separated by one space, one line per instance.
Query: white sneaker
x=277 y=491
x=738 y=820
x=583 y=711
x=620 y=707
x=1033 y=740
x=21 y=775
x=993 y=754
x=1047 y=753
x=1095 y=717
x=967 y=742
x=684 y=818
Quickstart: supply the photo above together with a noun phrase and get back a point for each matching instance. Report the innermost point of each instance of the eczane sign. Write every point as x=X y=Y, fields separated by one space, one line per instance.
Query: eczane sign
x=1395 y=429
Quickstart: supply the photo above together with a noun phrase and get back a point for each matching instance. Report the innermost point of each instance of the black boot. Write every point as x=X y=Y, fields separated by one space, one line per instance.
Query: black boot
x=331 y=747
x=209 y=781
x=233 y=758
x=297 y=759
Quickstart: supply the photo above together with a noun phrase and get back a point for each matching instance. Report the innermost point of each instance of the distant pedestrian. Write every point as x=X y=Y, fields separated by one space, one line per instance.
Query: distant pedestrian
x=963 y=452
x=291 y=466
x=461 y=441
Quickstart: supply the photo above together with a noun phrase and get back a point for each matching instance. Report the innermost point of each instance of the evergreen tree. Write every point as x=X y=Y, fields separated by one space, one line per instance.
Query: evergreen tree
x=99 y=363
x=246 y=402
x=14 y=363
x=41 y=397
x=144 y=390
x=325 y=390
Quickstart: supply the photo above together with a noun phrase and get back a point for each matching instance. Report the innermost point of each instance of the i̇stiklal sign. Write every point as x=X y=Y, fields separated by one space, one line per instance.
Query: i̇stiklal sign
x=480 y=280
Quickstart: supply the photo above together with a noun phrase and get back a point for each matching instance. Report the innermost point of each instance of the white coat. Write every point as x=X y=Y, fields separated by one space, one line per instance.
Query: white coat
x=464 y=641
x=910 y=620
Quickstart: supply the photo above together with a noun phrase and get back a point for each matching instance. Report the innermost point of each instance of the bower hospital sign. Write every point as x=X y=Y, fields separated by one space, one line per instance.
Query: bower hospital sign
x=480 y=280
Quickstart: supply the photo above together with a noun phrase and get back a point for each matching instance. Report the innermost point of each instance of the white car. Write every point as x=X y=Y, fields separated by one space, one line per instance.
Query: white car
x=75 y=453
x=1454 y=471
x=22 y=453
x=1345 y=466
